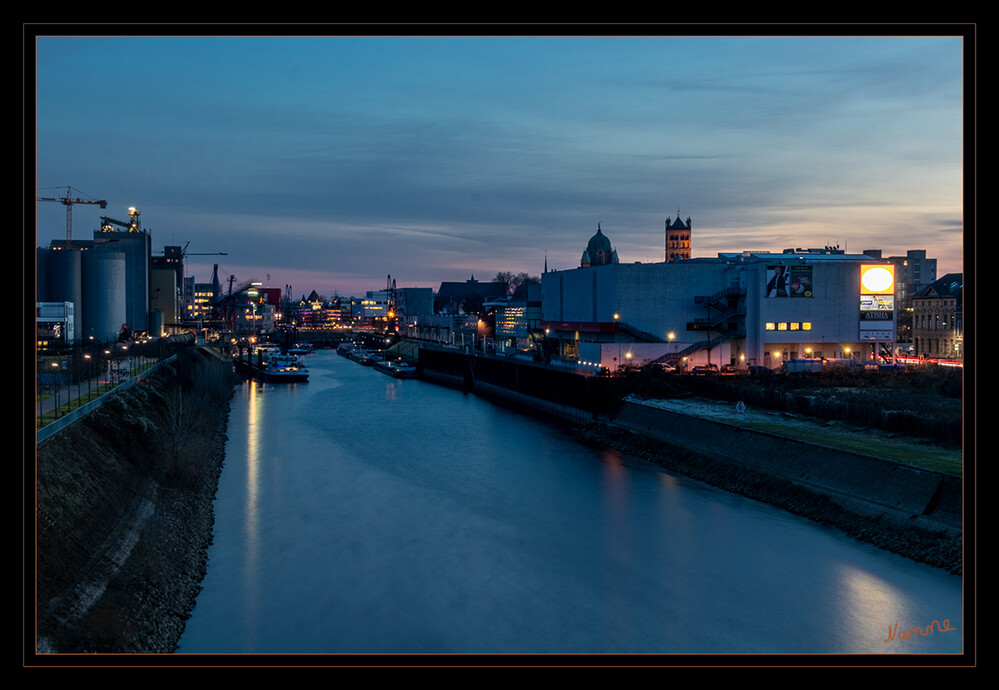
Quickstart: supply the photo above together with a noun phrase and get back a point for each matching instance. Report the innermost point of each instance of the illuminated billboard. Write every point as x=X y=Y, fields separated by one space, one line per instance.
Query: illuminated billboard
x=877 y=302
x=789 y=281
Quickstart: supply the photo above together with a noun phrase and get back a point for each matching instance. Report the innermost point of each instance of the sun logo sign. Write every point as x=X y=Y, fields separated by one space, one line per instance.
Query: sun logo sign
x=877 y=302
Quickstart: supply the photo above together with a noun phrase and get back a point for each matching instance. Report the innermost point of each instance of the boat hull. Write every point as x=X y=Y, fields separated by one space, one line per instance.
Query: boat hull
x=284 y=377
x=393 y=369
x=273 y=373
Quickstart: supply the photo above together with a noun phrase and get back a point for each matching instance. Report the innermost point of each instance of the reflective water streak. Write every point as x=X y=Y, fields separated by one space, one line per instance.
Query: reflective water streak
x=359 y=513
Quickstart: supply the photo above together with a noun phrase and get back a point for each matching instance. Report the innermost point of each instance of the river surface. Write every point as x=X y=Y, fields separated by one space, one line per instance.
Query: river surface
x=358 y=513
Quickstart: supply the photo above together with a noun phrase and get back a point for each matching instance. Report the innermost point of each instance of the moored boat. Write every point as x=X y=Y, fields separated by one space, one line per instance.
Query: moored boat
x=362 y=357
x=400 y=369
x=284 y=369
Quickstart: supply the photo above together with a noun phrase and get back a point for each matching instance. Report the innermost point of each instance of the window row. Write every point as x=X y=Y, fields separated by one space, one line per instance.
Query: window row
x=789 y=326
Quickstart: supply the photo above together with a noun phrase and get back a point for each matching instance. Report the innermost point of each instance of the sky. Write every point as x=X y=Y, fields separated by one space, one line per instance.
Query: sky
x=329 y=163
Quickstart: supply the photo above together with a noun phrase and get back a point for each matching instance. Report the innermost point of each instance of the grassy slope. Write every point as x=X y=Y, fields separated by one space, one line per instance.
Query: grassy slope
x=838 y=435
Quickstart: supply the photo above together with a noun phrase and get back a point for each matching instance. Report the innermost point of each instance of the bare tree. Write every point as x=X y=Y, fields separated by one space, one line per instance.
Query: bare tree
x=515 y=280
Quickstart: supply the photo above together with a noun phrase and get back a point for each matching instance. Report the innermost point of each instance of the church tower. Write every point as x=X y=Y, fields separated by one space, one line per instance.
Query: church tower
x=677 y=239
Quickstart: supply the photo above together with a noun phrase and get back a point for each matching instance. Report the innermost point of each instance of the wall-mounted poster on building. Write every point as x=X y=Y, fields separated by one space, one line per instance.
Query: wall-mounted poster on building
x=793 y=281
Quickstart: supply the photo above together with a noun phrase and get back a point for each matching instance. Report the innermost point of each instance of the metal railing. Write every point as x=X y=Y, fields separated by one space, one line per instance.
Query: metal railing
x=68 y=385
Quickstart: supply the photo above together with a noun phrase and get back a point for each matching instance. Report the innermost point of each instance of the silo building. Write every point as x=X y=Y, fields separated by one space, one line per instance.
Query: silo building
x=135 y=244
x=104 y=294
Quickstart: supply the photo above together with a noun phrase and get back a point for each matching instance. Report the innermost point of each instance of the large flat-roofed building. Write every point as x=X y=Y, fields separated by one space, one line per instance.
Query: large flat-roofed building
x=752 y=308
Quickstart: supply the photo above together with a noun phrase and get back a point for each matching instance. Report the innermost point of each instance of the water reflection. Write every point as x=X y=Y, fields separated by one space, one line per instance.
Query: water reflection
x=251 y=572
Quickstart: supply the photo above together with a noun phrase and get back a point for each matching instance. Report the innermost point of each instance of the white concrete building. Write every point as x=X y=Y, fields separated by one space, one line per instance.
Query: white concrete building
x=753 y=308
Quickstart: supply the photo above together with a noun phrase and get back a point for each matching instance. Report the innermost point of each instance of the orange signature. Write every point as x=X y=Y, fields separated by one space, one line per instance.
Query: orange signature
x=895 y=633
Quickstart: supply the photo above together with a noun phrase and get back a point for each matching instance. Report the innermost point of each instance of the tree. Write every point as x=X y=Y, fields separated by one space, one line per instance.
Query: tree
x=515 y=280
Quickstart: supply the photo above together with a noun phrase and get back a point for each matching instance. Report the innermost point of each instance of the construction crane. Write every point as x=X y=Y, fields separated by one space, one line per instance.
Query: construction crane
x=184 y=252
x=69 y=201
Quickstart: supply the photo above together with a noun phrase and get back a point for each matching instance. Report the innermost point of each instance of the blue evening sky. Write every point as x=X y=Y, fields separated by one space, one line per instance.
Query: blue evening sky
x=328 y=163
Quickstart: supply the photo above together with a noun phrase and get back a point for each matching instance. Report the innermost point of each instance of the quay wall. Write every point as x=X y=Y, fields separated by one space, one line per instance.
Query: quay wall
x=561 y=394
x=869 y=485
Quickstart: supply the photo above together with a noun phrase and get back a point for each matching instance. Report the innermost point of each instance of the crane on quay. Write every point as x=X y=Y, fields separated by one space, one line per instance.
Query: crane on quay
x=68 y=200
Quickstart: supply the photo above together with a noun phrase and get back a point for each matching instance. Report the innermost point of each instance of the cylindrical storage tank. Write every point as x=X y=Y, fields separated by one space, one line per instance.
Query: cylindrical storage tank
x=103 y=295
x=155 y=323
x=42 y=274
x=65 y=282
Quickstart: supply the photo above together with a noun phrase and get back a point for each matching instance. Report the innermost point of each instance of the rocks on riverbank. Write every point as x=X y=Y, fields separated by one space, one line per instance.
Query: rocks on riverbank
x=124 y=513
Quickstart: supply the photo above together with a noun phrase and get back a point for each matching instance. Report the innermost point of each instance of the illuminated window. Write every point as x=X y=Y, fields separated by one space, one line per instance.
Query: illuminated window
x=782 y=326
x=806 y=326
x=771 y=326
x=794 y=326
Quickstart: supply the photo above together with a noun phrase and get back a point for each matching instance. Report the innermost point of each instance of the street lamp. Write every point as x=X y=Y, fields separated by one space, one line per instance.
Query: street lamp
x=90 y=372
x=55 y=387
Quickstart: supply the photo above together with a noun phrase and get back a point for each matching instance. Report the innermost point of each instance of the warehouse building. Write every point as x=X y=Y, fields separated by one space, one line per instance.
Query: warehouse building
x=735 y=310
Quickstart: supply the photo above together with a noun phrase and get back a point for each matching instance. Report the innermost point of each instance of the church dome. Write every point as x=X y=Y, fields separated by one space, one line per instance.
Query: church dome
x=598 y=251
x=598 y=243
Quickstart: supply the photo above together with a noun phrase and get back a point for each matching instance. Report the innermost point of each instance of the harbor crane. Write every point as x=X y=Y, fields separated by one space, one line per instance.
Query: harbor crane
x=69 y=201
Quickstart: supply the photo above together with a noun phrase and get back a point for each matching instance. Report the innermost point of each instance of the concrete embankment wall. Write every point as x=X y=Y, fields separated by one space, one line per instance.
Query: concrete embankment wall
x=867 y=485
x=560 y=394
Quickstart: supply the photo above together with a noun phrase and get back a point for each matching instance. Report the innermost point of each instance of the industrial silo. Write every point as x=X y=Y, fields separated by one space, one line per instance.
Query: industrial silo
x=103 y=294
x=136 y=247
x=155 y=323
x=42 y=274
x=65 y=282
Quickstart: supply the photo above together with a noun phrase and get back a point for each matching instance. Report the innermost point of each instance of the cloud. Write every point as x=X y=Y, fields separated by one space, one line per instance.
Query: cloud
x=422 y=154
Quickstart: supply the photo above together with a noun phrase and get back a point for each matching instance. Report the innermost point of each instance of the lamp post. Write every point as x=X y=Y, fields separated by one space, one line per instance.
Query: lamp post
x=55 y=388
x=90 y=372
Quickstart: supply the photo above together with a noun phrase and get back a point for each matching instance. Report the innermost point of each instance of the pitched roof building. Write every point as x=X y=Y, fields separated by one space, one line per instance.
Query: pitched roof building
x=938 y=319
